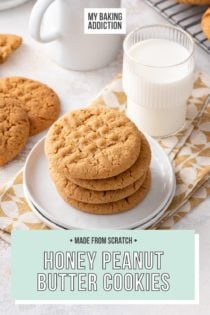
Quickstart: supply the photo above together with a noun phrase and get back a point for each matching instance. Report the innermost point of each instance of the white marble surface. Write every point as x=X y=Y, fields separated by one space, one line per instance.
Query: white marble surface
x=77 y=89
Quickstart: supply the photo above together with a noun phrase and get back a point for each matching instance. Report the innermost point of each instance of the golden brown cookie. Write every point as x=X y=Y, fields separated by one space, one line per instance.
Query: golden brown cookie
x=39 y=101
x=124 y=179
x=92 y=143
x=14 y=129
x=205 y=23
x=114 y=207
x=8 y=44
x=194 y=2
x=71 y=190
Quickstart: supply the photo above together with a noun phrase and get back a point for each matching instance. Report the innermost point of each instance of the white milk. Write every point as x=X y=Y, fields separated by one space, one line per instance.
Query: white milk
x=157 y=82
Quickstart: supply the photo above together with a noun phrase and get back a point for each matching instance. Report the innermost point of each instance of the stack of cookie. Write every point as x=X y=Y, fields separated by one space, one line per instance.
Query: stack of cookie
x=27 y=107
x=98 y=160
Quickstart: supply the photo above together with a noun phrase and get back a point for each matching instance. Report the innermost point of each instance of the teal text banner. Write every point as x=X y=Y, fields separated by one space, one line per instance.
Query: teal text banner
x=103 y=265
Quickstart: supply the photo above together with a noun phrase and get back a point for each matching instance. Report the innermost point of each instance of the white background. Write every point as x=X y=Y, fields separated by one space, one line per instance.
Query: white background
x=78 y=89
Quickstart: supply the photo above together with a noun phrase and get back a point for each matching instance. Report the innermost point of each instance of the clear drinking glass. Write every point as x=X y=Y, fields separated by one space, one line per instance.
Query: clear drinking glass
x=158 y=73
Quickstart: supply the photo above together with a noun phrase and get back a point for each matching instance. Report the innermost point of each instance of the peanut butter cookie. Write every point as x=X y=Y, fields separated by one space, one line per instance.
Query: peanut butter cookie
x=194 y=2
x=8 y=44
x=124 y=179
x=39 y=101
x=205 y=23
x=71 y=190
x=92 y=143
x=14 y=129
x=113 y=207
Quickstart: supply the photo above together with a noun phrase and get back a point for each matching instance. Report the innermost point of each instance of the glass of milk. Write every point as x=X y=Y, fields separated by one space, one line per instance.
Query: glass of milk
x=158 y=72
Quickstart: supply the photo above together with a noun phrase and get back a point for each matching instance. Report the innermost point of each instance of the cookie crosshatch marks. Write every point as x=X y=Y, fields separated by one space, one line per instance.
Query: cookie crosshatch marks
x=88 y=143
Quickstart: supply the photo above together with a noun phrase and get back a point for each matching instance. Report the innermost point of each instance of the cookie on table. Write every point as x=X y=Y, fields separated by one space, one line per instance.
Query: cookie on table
x=14 y=129
x=205 y=23
x=194 y=2
x=8 y=44
x=93 y=143
x=124 y=179
x=71 y=190
x=39 y=101
x=114 y=207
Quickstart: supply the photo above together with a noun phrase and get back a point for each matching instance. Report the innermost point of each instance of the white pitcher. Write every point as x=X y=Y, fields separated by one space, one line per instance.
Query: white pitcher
x=60 y=24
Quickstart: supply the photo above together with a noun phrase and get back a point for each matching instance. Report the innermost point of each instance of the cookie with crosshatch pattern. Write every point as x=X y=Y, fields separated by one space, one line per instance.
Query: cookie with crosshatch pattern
x=92 y=143
x=128 y=177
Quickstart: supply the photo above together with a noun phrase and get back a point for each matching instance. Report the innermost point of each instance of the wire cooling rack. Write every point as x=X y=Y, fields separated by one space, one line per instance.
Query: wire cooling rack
x=185 y=16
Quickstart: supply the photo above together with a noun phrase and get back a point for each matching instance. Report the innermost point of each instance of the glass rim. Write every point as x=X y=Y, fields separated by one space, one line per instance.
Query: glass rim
x=125 y=49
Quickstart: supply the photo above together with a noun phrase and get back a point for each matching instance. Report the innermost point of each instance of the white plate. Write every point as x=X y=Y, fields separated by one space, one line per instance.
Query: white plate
x=45 y=197
x=157 y=216
x=8 y=4
x=55 y=225
x=45 y=220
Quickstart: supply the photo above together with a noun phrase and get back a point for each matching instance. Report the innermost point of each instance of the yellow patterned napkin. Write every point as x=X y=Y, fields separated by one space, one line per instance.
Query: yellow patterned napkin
x=189 y=150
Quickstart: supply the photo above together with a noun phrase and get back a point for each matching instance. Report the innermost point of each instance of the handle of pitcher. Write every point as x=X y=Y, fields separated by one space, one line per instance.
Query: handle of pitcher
x=35 y=22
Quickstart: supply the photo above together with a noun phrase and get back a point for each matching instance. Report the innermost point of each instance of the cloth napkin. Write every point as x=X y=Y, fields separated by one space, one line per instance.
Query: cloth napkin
x=189 y=151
